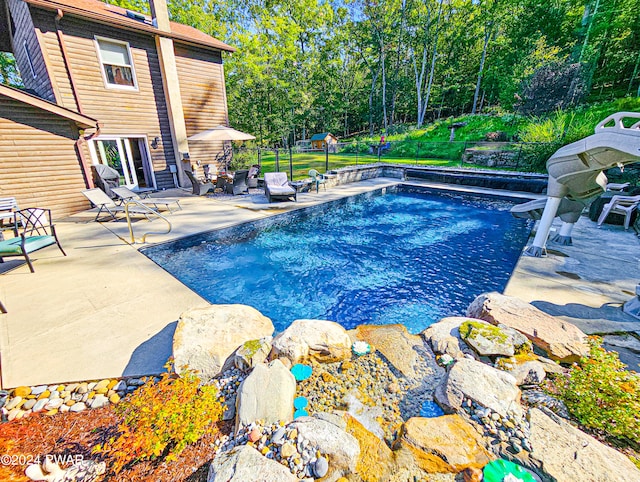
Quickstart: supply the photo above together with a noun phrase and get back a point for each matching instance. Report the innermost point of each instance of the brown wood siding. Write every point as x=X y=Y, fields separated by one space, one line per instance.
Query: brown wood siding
x=25 y=32
x=120 y=112
x=201 y=78
x=39 y=165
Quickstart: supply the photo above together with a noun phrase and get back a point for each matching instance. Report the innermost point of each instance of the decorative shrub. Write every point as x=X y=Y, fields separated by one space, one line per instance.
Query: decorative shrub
x=602 y=395
x=161 y=418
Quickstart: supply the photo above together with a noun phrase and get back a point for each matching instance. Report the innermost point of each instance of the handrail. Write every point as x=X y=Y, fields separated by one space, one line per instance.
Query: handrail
x=617 y=119
x=150 y=210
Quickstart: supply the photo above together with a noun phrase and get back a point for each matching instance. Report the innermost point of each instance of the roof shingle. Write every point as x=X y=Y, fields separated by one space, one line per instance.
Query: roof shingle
x=114 y=15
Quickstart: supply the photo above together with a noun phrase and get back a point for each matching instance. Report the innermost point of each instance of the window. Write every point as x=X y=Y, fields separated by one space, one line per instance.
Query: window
x=117 y=67
x=29 y=59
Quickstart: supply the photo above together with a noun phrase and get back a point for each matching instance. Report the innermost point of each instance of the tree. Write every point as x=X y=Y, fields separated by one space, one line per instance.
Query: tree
x=9 y=74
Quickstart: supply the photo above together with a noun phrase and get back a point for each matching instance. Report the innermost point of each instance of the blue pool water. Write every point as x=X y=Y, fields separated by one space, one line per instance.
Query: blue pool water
x=401 y=257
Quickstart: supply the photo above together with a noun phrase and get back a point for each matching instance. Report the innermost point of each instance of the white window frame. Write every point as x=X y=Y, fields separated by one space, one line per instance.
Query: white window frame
x=133 y=87
x=27 y=53
x=125 y=148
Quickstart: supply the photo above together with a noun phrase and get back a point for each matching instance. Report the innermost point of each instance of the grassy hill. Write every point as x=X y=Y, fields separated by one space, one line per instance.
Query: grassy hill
x=560 y=126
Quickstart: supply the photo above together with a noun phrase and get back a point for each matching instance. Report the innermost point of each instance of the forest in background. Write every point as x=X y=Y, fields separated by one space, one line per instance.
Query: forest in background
x=366 y=66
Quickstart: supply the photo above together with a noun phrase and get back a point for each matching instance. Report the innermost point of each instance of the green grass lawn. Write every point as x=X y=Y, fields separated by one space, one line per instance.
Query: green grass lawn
x=303 y=162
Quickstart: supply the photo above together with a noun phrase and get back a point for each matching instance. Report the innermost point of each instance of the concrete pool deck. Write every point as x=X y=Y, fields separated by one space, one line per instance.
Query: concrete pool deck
x=106 y=310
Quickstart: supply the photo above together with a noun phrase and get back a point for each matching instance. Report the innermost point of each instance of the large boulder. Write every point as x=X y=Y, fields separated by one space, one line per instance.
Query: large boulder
x=489 y=340
x=443 y=444
x=565 y=453
x=444 y=337
x=322 y=340
x=527 y=372
x=331 y=440
x=472 y=380
x=561 y=340
x=246 y=463
x=206 y=337
x=403 y=350
x=251 y=353
x=376 y=461
x=266 y=394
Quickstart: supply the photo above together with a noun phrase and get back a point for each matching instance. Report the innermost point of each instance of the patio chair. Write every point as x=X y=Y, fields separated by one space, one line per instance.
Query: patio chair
x=106 y=178
x=99 y=199
x=35 y=231
x=199 y=188
x=126 y=194
x=318 y=179
x=252 y=177
x=239 y=185
x=624 y=205
x=276 y=186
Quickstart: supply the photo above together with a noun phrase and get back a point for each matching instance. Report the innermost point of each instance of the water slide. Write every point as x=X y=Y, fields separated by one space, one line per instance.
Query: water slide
x=576 y=176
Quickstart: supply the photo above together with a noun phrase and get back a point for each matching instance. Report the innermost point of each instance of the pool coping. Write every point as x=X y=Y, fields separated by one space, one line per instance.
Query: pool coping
x=107 y=311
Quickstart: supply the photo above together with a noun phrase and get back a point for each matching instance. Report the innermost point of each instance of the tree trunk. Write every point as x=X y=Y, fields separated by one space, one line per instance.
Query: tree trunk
x=422 y=112
x=396 y=69
x=374 y=78
x=586 y=36
x=633 y=76
x=487 y=35
x=384 y=83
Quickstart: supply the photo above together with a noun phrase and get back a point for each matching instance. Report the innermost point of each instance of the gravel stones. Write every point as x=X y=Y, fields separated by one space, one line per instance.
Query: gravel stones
x=512 y=432
x=52 y=399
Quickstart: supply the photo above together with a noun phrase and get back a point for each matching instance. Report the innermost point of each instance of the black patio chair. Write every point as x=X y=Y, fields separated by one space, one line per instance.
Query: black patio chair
x=239 y=185
x=199 y=188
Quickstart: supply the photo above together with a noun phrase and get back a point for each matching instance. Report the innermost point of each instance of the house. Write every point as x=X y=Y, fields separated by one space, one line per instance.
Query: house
x=41 y=161
x=129 y=88
x=319 y=141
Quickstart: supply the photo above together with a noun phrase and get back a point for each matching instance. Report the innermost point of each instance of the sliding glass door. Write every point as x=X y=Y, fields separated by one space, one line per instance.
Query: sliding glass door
x=127 y=155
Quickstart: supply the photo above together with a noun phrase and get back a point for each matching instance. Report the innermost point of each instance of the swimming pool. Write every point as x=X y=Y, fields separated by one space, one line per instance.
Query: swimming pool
x=400 y=255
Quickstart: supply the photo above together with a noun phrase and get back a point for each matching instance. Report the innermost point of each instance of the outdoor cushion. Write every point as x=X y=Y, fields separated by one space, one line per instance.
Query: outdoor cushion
x=32 y=243
x=281 y=190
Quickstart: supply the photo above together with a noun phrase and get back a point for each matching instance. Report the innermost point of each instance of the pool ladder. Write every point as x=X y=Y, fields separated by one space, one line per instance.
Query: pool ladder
x=133 y=202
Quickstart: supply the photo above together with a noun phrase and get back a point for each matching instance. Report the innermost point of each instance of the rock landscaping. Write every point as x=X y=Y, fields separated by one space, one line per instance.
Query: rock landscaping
x=367 y=414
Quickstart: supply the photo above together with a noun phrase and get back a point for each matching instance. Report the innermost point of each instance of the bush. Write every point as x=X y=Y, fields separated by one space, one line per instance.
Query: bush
x=602 y=395
x=162 y=418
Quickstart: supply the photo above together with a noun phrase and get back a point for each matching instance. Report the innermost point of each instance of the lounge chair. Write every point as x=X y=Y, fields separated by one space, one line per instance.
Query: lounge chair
x=624 y=205
x=106 y=178
x=318 y=179
x=36 y=231
x=199 y=188
x=8 y=206
x=99 y=199
x=239 y=184
x=276 y=186
x=126 y=194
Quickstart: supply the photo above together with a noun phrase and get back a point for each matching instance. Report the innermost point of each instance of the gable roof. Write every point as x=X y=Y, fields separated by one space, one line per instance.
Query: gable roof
x=114 y=15
x=321 y=137
x=21 y=96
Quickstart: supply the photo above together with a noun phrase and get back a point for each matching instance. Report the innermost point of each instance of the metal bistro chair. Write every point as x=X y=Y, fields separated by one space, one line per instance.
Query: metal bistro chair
x=35 y=231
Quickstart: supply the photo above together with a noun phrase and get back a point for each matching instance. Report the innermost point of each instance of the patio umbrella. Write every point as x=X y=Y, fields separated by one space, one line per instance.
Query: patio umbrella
x=221 y=133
